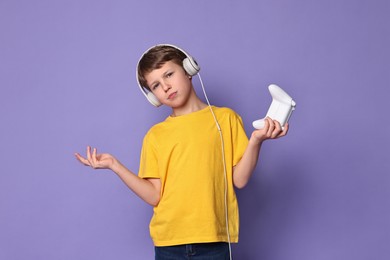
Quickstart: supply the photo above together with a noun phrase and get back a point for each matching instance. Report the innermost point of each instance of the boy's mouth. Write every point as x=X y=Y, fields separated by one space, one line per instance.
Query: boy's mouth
x=172 y=95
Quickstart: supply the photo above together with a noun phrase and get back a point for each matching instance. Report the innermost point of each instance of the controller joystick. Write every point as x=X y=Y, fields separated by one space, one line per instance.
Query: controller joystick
x=280 y=109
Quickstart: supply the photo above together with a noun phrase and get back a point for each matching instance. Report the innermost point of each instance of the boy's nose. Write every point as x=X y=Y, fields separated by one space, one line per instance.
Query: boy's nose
x=166 y=86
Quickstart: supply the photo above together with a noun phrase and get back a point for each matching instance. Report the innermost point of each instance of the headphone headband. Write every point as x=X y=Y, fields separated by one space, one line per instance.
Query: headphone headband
x=189 y=64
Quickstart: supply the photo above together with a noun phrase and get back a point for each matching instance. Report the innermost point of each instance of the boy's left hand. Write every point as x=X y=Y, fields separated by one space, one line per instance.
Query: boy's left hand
x=272 y=130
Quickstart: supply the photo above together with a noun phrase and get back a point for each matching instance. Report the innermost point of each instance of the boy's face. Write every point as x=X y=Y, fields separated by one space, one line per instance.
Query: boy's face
x=170 y=84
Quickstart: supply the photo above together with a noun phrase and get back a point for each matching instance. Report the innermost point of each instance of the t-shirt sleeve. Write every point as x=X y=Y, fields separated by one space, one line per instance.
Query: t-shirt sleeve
x=239 y=138
x=148 y=162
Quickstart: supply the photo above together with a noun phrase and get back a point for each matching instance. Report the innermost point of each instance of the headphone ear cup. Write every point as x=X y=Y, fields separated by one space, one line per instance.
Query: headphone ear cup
x=153 y=99
x=190 y=66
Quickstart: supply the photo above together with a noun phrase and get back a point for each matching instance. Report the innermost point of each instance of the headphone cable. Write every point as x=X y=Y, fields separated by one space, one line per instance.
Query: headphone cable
x=224 y=165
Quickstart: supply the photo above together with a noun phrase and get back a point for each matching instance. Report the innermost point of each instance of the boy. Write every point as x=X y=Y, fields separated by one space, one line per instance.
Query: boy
x=190 y=162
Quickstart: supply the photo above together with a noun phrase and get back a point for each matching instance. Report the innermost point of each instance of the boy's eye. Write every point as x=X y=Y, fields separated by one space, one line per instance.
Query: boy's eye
x=169 y=74
x=155 y=86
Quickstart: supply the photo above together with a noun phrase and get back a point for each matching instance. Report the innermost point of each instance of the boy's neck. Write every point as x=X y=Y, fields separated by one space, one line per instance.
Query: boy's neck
x=190 y=108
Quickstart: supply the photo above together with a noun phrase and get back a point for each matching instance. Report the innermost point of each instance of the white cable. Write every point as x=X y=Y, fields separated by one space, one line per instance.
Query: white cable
x=224 y=166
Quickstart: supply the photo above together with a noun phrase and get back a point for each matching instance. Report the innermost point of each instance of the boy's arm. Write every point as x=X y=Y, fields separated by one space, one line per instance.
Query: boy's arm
x=244 y=169
x=146 y=189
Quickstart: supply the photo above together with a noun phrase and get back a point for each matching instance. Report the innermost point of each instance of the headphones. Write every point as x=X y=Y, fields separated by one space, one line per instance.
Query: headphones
x=190 y=66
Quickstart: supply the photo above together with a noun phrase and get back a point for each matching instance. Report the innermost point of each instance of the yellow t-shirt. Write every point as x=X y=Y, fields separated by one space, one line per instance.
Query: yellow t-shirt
x=185 y=153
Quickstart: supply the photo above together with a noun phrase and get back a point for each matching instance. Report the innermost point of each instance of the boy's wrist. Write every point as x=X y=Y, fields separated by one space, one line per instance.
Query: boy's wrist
x=115 y=165
x=254 y=140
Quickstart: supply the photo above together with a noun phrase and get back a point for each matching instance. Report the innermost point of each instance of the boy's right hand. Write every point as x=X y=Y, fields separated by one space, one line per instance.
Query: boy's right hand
x=96 y=161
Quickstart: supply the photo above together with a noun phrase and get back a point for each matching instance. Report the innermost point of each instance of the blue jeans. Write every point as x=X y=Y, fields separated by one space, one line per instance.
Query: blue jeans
x=203 y=251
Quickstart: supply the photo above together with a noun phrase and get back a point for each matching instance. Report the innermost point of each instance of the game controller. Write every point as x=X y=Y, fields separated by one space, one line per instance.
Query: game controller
x=280 y=109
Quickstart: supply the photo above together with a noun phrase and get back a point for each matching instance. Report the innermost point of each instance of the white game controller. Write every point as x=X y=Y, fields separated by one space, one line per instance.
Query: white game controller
x=280 y=109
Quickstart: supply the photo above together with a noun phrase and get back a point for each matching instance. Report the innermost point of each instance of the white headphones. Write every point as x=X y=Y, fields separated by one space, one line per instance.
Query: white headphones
x=189 y=64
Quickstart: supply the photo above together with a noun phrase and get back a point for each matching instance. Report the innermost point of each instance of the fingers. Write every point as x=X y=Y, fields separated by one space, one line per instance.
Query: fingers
x=274 y=129
x=82 y=159
x=269 y=126
x=91 y=159
x=285 y=129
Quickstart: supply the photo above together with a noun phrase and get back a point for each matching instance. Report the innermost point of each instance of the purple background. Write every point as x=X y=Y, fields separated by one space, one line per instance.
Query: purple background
x=67 y=81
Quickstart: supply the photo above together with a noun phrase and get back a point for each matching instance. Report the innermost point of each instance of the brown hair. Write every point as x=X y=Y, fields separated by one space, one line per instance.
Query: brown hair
x=155 y=58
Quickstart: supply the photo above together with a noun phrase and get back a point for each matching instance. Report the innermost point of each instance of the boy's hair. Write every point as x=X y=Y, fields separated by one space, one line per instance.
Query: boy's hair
x=155 y=58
